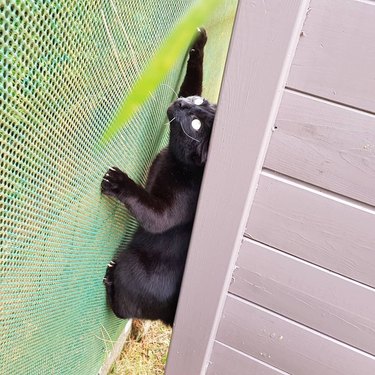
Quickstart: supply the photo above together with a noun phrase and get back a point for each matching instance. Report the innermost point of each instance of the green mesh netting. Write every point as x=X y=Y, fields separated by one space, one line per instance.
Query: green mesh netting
x=65 y=66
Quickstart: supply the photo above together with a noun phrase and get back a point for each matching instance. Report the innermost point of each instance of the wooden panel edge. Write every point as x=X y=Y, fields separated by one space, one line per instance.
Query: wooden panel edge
x=317 y=226
x=310 y=295
x=324 y=144
x=336 y=54
x=116 y=350
x=287 y=345
x=218 y=230
x=240 y=362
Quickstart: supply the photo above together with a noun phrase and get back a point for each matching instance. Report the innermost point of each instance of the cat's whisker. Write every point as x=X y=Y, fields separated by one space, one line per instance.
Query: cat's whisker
x=171 y=88
x=194 y=139
x=168 y=122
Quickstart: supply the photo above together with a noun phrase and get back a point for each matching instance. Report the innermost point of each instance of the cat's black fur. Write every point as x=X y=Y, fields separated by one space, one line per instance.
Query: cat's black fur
x=144 y=280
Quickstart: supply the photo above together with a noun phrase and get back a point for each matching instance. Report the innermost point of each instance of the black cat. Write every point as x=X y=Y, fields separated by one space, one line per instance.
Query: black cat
x=144 y=280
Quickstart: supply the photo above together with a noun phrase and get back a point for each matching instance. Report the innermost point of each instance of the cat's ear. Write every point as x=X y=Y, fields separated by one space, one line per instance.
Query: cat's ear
x=202 y=152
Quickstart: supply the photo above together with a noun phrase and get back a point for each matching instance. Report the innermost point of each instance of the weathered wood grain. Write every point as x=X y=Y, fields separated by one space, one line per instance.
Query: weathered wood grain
x=326 y=145
x=319 y=299
x=318 y=227
x=287 y=345
x=335 y=57
x=227 y=361
x=264 y=40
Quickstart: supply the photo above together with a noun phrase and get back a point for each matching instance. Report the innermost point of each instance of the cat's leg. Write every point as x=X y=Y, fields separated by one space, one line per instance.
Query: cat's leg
x=108 y=282
x=113 y=292
x=154 y=214
x=192 y=84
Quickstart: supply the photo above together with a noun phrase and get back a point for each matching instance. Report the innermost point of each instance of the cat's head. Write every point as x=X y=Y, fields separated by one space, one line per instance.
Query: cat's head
x=191 y=121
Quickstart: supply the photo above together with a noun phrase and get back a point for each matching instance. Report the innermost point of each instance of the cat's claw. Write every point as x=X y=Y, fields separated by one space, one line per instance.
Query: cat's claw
x=107 y=278
x=201 y=40
x=114 y=181
x=111 y=169
x=199 y=43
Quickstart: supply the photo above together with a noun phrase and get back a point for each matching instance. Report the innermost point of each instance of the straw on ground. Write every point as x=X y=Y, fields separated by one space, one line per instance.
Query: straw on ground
x=146 y=350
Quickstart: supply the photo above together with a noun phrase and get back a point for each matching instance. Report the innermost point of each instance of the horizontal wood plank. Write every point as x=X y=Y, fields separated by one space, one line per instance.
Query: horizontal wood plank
x=227 y=361
x=335 y=57
x=287 y=345
x=320 y=228
x=322 y=300
x=326 y=145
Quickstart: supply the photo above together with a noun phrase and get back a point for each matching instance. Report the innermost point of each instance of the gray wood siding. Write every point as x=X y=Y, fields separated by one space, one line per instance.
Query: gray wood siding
x=315 y=225
x=287 y=345
x=293 y=157
x=228 y=361
x=335 y=58
x=302 y=295
x=307 y=294
x=325 y=144
x=264 y=39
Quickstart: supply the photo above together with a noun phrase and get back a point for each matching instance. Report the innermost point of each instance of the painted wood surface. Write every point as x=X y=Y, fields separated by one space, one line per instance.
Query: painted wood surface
x=335 y=57
x=319 y=299
x=116 y=349
x=325 y=144
x=287 y=345
x=264 y=40
x=227 y=361
x=315 y=226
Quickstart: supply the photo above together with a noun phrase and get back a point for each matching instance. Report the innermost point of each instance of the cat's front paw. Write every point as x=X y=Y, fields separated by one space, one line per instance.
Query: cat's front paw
x=200 y=41
x=114 y=182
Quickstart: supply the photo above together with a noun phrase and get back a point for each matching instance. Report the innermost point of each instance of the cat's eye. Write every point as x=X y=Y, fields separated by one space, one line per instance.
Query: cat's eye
x=198 y=100
x=196 y=124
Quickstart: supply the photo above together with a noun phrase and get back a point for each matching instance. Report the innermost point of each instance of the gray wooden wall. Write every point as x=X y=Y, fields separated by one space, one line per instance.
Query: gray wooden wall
x=281 y=271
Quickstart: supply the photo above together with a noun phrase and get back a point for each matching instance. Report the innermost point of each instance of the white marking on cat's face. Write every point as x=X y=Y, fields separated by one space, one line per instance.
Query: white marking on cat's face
x=198 y=100
x=196 y=124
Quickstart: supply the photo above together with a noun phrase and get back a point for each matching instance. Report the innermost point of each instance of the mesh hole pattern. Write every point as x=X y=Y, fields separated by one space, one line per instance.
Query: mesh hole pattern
x=65 y=67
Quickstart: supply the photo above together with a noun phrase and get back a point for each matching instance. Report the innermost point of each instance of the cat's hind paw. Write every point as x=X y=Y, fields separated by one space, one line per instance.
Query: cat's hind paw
x=107 y=279
x=111 y=264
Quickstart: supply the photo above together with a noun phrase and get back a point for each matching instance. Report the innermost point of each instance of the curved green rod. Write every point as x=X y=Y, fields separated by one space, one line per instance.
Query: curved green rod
x=162 y=62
